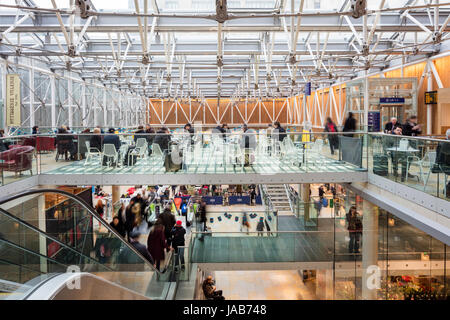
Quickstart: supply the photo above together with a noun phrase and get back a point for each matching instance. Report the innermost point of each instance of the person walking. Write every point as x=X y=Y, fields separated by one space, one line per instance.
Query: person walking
x=118 y=225
x=168 y=221
x=177 y=242
x=156 y=243
x=260 y=227
x=354 y=227
x=333 y=140
x=349 y=125
x=203 y=215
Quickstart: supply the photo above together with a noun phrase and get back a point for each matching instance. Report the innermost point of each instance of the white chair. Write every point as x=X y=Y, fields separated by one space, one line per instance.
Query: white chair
x=427 y=161
x=157 y=153
x=316 y=152
x=110 y=153
x=90 y=154
x=403 y=144
x=141 y=149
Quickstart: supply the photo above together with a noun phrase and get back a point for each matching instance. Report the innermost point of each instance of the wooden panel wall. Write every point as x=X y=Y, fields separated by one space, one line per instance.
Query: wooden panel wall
x=284 y=110
x=208 y=112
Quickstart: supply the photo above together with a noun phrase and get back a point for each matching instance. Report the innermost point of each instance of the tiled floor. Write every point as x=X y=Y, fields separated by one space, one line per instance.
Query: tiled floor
x=277 y=285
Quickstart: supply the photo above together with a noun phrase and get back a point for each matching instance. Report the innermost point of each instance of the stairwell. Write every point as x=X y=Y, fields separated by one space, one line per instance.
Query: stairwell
x=279 y=198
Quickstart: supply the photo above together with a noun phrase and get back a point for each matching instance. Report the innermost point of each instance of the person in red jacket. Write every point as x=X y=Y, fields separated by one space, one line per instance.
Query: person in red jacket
x=156 y=243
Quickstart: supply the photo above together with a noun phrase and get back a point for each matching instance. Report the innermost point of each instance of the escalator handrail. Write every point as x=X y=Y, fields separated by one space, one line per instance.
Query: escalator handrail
x=87 y=206
x=29 y=226
x=31 y=252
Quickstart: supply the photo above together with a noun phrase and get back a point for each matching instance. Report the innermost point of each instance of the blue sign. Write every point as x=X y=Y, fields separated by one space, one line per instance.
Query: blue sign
x=213 y=200
x=308 y=88
x=374 y=121
x=238 y=200
x=393 y=100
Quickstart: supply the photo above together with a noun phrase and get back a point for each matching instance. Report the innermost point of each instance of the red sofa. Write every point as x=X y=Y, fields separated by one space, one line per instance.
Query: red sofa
x=17 y=159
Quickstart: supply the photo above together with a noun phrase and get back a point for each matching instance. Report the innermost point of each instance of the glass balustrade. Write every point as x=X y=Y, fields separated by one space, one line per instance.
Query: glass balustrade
x=420 y=163
x=37 y=240
x=197 y=153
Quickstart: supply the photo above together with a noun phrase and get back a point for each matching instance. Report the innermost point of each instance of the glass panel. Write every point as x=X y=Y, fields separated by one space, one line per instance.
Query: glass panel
x=53 y=236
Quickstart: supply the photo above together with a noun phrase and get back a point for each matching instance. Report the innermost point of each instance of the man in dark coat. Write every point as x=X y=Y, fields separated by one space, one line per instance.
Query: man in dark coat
x=278 y=129
x=176 y=240
x=349 y=125
x=411 y=128
x=391 y=126
x=112 y=138
x=134 y=236
x=162 y=138
x=168 y=220
x=139 y=133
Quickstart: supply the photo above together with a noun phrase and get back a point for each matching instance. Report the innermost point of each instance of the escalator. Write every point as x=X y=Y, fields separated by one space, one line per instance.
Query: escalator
x=53 y=245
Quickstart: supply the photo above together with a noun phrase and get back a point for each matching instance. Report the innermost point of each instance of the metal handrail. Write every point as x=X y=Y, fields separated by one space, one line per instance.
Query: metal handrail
x=91 y=211
x=62 y=244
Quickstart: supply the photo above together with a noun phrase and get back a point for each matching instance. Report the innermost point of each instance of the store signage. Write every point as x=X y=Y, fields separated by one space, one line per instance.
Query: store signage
x=431 y=97
x=393 y=100
x=12 y=100
x=374 y=121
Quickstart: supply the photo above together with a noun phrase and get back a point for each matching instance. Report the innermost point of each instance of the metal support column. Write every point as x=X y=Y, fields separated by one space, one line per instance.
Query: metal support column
x=114 y=110
x=105 y=111
x=3 y=73
x=53 y=101
x=70 y=100
x=31 y=92
x=429 y=106
x=84 y=121
x=370 y=270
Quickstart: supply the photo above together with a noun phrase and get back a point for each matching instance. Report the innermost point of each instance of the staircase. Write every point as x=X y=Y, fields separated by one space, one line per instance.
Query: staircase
x=279 y=198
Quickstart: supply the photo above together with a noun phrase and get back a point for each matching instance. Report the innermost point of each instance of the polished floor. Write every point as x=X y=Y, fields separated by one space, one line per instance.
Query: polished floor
x=277 y=285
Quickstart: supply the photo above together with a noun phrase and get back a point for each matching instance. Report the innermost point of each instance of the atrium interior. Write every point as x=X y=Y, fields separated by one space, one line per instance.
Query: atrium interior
x=224 y=149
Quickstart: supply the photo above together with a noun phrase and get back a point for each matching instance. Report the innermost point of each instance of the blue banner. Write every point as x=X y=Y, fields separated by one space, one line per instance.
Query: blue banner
x=238 y=200
x=308 y=88
x=392 y=100
x=374 y=121
x=213 y=200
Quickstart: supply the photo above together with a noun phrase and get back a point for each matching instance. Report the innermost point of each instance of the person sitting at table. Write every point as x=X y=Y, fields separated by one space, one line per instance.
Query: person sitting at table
x=391 y=126
x=150 y=136
x=225 y=131
x=411 y=128
x=189 y=132
x=248 y=143
x=112 y=138
x=398 y=156
x=279 y=131
x=96 y=141
x=442 y=164
x=35 y=130
x=4 y=145
x=163 y=138
x=139 y=133
x=65 y=144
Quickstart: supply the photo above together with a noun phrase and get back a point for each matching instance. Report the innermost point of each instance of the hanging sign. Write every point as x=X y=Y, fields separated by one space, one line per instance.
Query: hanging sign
x=393 y=100
x=12 y=100
x=308 y=88
x=431 y=97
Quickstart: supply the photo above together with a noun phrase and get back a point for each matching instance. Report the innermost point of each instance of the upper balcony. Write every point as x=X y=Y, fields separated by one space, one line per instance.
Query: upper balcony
x=180 y=158
x=233 y=158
